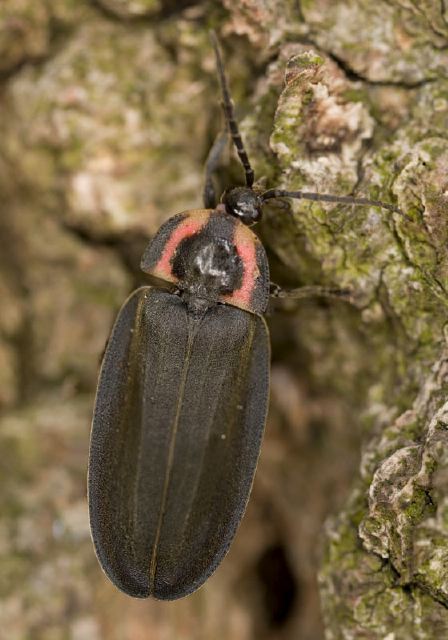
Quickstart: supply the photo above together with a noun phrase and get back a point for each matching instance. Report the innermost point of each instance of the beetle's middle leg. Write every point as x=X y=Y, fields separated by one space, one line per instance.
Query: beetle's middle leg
x=211 y=165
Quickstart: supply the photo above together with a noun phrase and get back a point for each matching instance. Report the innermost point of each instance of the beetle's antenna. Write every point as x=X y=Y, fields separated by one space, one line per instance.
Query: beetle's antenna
x=325 y=197
x=229 y=113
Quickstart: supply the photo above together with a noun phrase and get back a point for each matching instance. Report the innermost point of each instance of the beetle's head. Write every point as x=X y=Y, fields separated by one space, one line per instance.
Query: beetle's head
x=243 y=203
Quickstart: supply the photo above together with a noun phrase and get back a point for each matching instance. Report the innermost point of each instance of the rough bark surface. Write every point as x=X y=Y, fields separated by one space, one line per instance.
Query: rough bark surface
x=108 y=111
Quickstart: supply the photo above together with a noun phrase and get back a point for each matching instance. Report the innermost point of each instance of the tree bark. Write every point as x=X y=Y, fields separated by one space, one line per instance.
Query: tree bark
x=108 y=110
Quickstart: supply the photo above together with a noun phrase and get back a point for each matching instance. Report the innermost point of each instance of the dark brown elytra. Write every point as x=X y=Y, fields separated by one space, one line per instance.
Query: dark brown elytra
x=183 y=390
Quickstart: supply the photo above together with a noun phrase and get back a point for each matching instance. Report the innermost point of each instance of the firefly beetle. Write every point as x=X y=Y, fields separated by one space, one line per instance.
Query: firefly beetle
x=183 y=392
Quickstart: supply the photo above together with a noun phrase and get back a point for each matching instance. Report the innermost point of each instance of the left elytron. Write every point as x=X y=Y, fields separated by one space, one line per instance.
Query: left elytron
x=183 y=392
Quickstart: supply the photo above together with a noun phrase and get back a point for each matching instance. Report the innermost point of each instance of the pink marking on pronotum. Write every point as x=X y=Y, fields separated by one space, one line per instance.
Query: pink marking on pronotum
x=246 y=250
x=187 y=227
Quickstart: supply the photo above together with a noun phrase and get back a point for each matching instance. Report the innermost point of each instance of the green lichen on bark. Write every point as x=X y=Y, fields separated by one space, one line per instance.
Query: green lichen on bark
x=396 y=265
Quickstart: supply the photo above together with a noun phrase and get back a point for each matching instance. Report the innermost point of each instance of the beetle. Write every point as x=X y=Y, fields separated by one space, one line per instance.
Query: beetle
x=183 y=390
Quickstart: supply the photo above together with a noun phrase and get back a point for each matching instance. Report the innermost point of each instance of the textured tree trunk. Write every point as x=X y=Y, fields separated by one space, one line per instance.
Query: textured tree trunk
x=108 y=109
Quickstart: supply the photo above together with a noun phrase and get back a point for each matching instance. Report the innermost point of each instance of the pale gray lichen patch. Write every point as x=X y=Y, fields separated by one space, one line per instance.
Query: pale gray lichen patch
x=407 y=494
x=381 y=41
x=264 y=23
x=93 y=112
x=317 y=133
x=45 y=547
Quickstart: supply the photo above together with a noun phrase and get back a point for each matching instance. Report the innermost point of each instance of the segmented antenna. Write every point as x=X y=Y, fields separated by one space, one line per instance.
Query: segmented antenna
x=325 y=197
x=229 y=113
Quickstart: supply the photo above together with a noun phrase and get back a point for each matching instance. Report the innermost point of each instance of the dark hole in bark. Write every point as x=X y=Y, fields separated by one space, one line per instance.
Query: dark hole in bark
x=278 y=584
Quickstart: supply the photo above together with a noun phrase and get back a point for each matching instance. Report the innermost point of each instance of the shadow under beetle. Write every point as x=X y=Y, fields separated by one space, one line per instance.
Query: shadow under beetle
x=183 y=391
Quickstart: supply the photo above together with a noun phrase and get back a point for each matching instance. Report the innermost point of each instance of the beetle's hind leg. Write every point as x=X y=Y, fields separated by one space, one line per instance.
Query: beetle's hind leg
x=211 y=165
x=313 y=291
